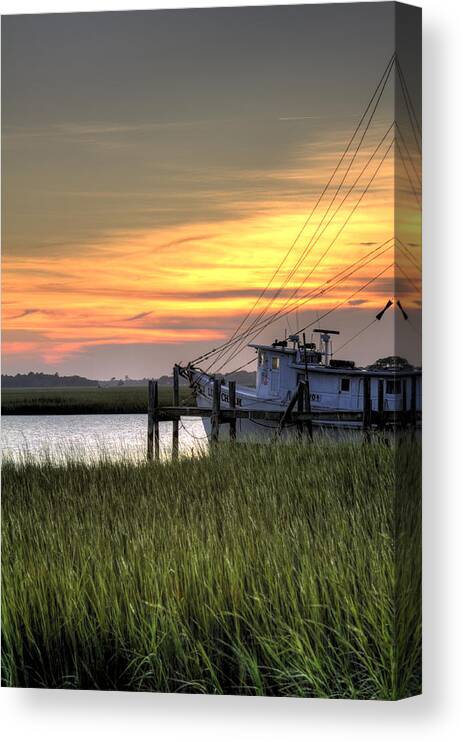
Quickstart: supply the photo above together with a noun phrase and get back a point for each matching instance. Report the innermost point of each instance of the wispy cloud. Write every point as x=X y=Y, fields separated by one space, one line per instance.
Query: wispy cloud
x=84 y=130
x=26 y=313
x=141 y=315
x=297 y=118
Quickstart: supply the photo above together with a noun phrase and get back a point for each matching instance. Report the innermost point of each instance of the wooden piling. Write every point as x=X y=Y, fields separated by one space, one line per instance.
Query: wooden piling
x=215 y=416
x=232 y=405
x=367 y=406
x=176 y=403
x=307 y=402
x=380 y=404
x=156 y=423
x=298 y=412
x=151 y=415
x=300 y=405
x=287 y=413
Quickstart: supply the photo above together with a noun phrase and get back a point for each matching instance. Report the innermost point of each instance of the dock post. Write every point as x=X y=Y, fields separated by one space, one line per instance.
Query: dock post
x=300 y=406
x=215 y=416
x=380 y=404
x=151 y=414
x=366 y=406
x=156 y=422
x=176 y=403
x=307 y=402
x=308 y=409
x=232 y=405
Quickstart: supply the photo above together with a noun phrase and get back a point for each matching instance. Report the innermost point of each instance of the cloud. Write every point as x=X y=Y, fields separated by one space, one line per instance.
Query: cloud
x=194 y=238
x=192 y=281
x=93 y=131
x=297 y=118
x=26 y=313
x=139 y=316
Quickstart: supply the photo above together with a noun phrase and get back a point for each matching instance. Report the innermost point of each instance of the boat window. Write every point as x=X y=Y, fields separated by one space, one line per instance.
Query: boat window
x=275 y=362
x=260 y=358
x=345 y=385
x=393 y=386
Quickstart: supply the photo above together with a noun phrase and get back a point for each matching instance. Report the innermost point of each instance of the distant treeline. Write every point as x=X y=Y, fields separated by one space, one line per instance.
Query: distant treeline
x=36 y=380
x=39 y=380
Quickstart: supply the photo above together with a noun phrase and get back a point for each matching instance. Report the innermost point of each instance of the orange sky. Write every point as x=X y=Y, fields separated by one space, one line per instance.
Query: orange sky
x=143 y=219
x=190 y=282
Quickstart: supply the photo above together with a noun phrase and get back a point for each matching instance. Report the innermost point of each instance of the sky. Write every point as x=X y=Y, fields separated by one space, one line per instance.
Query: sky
x=158 y=166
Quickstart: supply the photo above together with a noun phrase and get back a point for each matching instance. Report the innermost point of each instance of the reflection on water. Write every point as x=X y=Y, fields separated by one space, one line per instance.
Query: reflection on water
x=92 y=437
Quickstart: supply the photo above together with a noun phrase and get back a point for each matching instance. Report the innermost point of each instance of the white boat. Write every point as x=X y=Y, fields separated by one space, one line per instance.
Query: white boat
x=335 y=386
x=385 y=394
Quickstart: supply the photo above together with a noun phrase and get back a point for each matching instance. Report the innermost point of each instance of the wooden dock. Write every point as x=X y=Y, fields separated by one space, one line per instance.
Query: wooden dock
x=297 y=413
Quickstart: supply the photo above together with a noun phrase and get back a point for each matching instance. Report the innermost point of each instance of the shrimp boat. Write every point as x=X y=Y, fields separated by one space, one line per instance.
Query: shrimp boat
x=388 y=392
x=335 y=386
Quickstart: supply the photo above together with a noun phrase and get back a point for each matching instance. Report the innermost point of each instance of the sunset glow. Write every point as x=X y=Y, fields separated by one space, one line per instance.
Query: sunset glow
x=193 y=282
x=157 y=216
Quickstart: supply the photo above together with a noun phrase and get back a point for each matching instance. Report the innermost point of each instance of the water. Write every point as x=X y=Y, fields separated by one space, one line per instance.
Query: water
x=92 y=437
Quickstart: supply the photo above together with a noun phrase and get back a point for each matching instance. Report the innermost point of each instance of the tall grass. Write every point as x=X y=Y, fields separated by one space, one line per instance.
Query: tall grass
x=261 y=570
x=85 y=400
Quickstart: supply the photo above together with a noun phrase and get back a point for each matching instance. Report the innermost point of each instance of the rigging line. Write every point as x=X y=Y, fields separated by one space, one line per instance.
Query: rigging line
x=309 y=247
x=401 y=74
x=408 y=103
x=324 y=287
x=248 y=363
x=344 y=301
x=414 y=123
x=418 y=290
x=409 y=253
x=415 y=265
x=250 y=402
x=386 y=72
x=322 y=292
x=192 y=435
x=384 y=77
x=414 y=119
x=276 y=314
x=411 y=159
x=408 y=174
x=404 y=162
x=316 y=237
x=342 y=202
x=339 y=232
x=311 y=243
x=372 y=322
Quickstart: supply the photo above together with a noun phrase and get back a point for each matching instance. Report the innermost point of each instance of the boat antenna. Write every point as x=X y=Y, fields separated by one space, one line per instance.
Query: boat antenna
x=305 y=359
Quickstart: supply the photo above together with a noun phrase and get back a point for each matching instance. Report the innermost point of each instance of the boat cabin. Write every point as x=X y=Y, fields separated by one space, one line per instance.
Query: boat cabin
x=334 y=384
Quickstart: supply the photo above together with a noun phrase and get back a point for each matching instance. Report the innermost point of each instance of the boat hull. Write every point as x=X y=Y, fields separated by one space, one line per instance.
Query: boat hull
x=248 y=429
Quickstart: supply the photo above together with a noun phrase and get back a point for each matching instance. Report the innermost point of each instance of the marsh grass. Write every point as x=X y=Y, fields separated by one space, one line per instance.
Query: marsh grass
x=85 y=400
x=257 y=569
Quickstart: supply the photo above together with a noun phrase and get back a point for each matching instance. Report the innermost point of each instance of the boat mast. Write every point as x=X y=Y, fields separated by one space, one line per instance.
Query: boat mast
x=325 y=341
